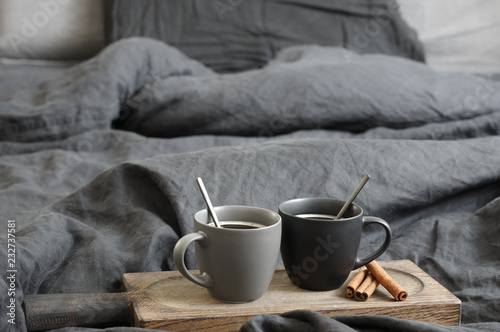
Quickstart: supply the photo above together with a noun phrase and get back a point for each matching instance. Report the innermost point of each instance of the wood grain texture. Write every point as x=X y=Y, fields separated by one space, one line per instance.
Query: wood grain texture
x=168 y=301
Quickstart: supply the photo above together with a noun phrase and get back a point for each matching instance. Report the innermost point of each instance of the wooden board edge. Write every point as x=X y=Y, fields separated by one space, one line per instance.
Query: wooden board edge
x=448 y=315
x=205 y=324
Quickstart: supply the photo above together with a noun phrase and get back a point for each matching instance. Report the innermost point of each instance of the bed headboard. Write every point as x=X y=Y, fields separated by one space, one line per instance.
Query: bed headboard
x=458 y=35
x=51 y=29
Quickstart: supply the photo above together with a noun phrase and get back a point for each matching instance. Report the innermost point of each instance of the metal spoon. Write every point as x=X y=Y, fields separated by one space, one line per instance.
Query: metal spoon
x=208 y=202
x=353 y=196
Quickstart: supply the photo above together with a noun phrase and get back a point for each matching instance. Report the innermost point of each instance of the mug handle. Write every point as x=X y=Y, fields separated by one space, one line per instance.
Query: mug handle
x=359 y=262
x=179 y=254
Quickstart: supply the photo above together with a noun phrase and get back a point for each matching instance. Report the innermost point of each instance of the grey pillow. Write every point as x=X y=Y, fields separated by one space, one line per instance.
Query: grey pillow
x=237 y=35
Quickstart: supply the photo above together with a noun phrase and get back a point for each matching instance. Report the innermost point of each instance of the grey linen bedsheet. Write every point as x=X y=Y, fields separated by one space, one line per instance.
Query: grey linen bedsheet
x=93 y=200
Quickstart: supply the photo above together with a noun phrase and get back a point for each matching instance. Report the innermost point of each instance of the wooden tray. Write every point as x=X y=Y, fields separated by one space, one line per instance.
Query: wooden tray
x=169 y=301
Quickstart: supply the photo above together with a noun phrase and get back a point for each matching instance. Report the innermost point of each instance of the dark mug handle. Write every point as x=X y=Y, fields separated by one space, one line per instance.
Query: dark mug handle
x=359 y=262
x=179 y=254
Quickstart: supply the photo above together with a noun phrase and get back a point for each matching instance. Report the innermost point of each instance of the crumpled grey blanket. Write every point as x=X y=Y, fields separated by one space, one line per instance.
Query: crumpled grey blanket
x=151 y=88
x=92 y=202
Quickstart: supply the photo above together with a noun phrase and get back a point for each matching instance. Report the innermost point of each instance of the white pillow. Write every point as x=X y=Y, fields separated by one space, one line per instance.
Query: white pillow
x=458 y=35
x=51 y=29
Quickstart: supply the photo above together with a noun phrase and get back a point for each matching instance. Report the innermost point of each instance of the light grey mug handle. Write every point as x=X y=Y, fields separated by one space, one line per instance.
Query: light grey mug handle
x=359 y=262
x=179 y=254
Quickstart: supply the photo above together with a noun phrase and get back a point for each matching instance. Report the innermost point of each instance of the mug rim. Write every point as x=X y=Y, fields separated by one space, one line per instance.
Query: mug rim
x=320 y=199
x=276 y=215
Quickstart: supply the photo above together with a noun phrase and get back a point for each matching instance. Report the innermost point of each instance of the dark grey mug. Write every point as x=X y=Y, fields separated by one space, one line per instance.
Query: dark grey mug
x=319 y=254
x=236 y=264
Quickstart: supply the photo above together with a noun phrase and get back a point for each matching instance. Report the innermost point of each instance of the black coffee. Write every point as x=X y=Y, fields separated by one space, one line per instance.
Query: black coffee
x=239 y=225
x=235 y=226
x=316 y=216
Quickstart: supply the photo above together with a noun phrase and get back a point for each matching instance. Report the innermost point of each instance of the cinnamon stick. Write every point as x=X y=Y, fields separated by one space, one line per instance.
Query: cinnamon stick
x=355 y=282
x=396 y=290
x=366 y=289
